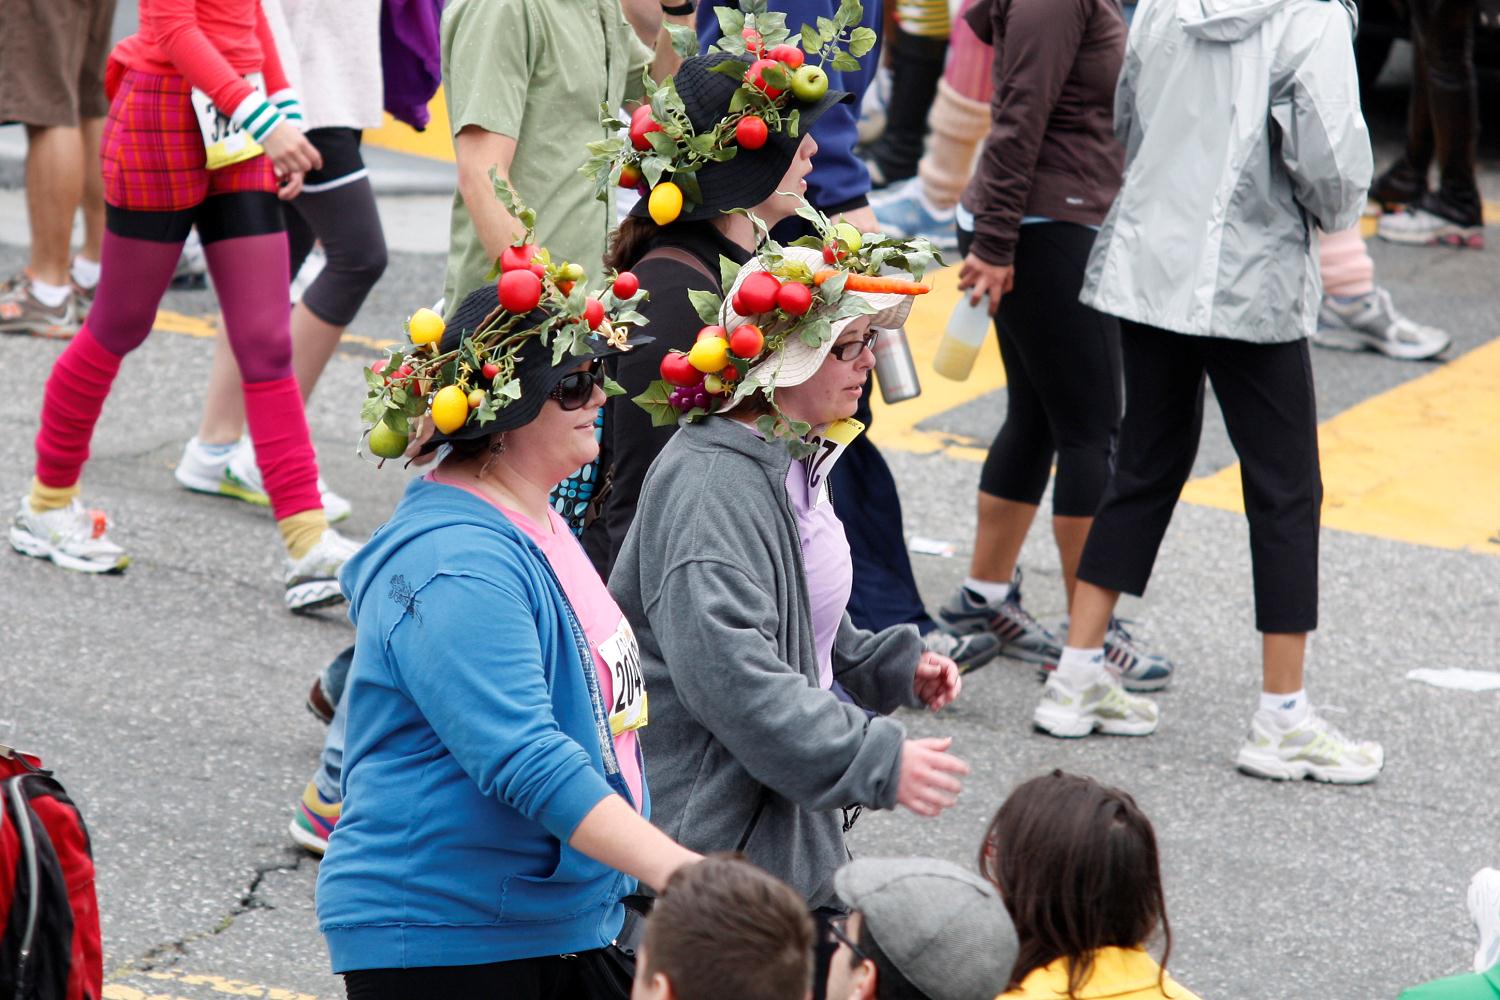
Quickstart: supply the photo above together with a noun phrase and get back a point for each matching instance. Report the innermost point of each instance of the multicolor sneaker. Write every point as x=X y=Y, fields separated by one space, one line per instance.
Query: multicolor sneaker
x=1419 y=227
x=313 y=581
x=1103 y=705
x=1312 y=749
x=1139 y=669
x=72 y=537
x=1484 y=907
x=970 y=651
x=1371 y=323
x=1021 y=636
x=314 y=820
x=235 y=474
x=22 y=312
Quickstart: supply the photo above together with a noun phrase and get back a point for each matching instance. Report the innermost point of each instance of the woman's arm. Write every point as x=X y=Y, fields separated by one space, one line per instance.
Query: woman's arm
x=615 y=834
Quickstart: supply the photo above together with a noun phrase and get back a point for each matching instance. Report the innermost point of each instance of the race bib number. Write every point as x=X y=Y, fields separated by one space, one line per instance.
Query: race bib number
x=830 y=443
x=224 y=142
x=627 y=708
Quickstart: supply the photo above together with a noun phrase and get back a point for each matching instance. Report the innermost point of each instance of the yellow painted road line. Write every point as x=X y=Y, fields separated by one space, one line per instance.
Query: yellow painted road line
x=216 y=984
x=208 y=326
x=433 y=143
x=1418 y=463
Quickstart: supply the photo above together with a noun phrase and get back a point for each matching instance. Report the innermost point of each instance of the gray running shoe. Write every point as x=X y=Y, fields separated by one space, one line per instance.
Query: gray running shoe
x=970 y=651
x=1139 y=669
x=1313 y=749
x=1021 y=636
x=1371 y=323
x=1101 y=706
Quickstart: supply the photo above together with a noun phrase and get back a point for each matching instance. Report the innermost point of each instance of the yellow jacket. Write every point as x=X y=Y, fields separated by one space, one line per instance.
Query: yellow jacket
x=1119 y=974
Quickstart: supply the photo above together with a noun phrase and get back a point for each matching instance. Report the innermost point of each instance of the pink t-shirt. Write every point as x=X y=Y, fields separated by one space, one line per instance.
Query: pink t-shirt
x=597 y=612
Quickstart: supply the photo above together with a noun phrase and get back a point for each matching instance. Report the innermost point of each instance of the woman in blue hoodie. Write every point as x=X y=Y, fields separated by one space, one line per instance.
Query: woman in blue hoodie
x=494 y=798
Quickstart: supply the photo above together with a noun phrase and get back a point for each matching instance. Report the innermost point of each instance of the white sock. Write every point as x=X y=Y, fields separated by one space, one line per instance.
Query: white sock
x=50 y=296
x=989 y=590
x=1079 y=667
x=85 y=271
x=218 y=450
x=1289 y=710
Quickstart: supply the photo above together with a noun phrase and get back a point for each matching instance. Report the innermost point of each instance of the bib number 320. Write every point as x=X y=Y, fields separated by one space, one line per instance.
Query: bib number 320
x=224 y=142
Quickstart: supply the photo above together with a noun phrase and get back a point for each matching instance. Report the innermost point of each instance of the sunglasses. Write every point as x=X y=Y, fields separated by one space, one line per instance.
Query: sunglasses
x=838 y=931
x=854 y=348
x=574 y=390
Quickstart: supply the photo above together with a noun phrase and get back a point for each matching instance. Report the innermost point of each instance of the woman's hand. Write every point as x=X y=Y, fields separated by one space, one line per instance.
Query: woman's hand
x=936 y=682
x=928 y=782
x=290 y=152
x=290 y=186
x=981 y=277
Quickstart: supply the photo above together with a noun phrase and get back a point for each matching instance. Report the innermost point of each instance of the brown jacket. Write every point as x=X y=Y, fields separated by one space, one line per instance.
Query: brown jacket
x=1051 y=150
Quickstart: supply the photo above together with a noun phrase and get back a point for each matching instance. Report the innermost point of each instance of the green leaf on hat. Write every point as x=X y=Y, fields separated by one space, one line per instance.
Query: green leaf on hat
x=372 y=411
x=728 y=269
x=793 y=121
x=684 y=39
x=861 y=41
x=850 y=13
x=845 y=63
x=662 y=143
x=811 y=41
x=731 y=22
x=654 y=402
x=692 y=194
x=735 y=69
x=814 y=333
x=612 y=388
x=777 y=76
x=827 y=31
x=706 y=305
x=652 y=167
x=397 y=422
x=766 y=424
x=510 y=390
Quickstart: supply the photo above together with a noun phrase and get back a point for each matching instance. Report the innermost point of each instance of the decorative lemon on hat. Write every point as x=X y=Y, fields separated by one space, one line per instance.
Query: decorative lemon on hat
x=665 y=204
x=425 y=327
x=450 y=408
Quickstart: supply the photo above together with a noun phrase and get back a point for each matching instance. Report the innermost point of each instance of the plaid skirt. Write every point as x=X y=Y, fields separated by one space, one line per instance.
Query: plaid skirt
x=152 y=152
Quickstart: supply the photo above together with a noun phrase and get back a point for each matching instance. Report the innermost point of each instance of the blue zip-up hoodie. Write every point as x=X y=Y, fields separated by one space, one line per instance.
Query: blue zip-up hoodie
x=839 y=181
x=477 y=743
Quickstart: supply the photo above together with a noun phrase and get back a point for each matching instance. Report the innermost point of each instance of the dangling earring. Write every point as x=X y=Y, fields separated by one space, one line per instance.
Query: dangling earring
x=497 y=447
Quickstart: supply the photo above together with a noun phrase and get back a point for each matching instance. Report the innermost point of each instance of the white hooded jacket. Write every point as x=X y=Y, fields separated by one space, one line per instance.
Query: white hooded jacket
x=1242 y=131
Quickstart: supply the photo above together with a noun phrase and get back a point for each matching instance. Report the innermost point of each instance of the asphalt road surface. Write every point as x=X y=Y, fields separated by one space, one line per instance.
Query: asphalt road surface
x=170 y=699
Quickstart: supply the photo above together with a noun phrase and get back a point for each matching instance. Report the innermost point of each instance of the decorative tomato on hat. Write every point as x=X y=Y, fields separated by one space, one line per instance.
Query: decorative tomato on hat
x=516 y=258
x=678 y=370
x=758 y=292
x=747 y=341
x=794 y=298
x=593 y=312
x=751 y=132
x=626 y=285
x=520 y=291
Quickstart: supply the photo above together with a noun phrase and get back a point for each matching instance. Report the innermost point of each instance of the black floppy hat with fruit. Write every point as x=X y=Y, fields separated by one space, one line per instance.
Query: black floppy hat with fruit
x=721 y=132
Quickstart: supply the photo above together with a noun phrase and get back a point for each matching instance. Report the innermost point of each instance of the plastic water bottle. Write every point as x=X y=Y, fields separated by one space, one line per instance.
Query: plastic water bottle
x=894 y=368
x=968 y=326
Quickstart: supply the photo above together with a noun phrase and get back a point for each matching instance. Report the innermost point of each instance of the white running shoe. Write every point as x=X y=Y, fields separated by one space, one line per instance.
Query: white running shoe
x=73 y=537
x=235 y=474
x=313 y=581
x=1103 y=705
x=1313 y=749
x=1419 y=227
x=1484 y=907
x=1371 y=323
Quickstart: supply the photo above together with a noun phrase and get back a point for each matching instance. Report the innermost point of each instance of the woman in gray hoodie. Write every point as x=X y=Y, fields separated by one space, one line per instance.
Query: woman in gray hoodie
x=767 y=706
x=1242 y=132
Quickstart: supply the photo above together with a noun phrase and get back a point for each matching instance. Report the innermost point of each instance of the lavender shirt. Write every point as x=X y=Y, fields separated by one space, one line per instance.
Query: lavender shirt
x=826 y=561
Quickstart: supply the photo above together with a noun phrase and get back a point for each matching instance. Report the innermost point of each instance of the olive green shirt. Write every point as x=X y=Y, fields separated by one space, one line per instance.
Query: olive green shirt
x=537 y=71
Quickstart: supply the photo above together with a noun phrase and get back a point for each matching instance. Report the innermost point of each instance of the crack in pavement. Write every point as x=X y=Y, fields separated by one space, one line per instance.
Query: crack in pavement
x=170 y=953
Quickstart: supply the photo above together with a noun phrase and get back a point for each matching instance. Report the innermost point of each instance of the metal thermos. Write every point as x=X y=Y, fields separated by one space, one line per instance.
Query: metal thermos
x=894 y=367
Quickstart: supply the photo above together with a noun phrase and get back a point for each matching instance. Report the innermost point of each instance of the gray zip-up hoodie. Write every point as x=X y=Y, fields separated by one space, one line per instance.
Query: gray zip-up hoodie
x=1242 y=131
x=743 y=749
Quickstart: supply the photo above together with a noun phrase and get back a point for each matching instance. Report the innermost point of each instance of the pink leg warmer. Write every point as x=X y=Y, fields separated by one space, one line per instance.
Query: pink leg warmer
x=1346 y=264
x=75 y=394
x=283 y=450
x=969 y=61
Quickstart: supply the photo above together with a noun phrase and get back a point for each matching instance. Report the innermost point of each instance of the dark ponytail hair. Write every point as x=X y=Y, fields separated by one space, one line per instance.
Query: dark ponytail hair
x=1077 y=865
x=629 y=243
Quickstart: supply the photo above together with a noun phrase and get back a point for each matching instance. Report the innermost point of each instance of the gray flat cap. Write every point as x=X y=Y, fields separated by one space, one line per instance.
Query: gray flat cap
x=946 y=929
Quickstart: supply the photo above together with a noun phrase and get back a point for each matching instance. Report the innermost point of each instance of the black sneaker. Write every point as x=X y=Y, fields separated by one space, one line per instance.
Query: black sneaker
x=970 y=651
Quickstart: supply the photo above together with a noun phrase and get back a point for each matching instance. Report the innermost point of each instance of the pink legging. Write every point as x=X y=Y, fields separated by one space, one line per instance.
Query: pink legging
x=250 y=277
x=969 y=60
x=1345 y=263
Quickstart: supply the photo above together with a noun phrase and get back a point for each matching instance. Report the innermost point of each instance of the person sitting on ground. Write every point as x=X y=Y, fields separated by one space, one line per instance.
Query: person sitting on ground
x=495 y=812
x=736 y=574
x=724 y=928
x=918 y=929
x=1077 y=865
x=1484 y=982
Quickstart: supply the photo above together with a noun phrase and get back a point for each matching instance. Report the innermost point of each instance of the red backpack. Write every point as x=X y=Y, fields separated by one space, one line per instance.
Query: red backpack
x=49 y=916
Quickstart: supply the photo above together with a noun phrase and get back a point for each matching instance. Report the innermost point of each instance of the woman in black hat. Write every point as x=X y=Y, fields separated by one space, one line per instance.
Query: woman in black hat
x=495 y=808
x=683 y=255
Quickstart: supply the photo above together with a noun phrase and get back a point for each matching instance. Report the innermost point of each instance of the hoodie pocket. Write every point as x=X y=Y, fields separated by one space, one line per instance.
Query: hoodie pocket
x=577 y=884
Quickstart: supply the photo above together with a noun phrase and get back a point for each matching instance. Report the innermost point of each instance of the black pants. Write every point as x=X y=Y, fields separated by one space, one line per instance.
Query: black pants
x=1443 y=113
x=1062 y=377
x=1266 y=394
x=916 y=68
x=550 y=978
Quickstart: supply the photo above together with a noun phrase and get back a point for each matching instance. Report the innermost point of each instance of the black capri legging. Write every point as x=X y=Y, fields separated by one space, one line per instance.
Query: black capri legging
x=337 y=208
x=1063 y=377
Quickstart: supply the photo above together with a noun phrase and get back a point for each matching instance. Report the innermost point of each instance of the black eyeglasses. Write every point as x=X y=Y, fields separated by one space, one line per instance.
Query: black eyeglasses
x=575 y=389
x=852 y=349
x=837 y=931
